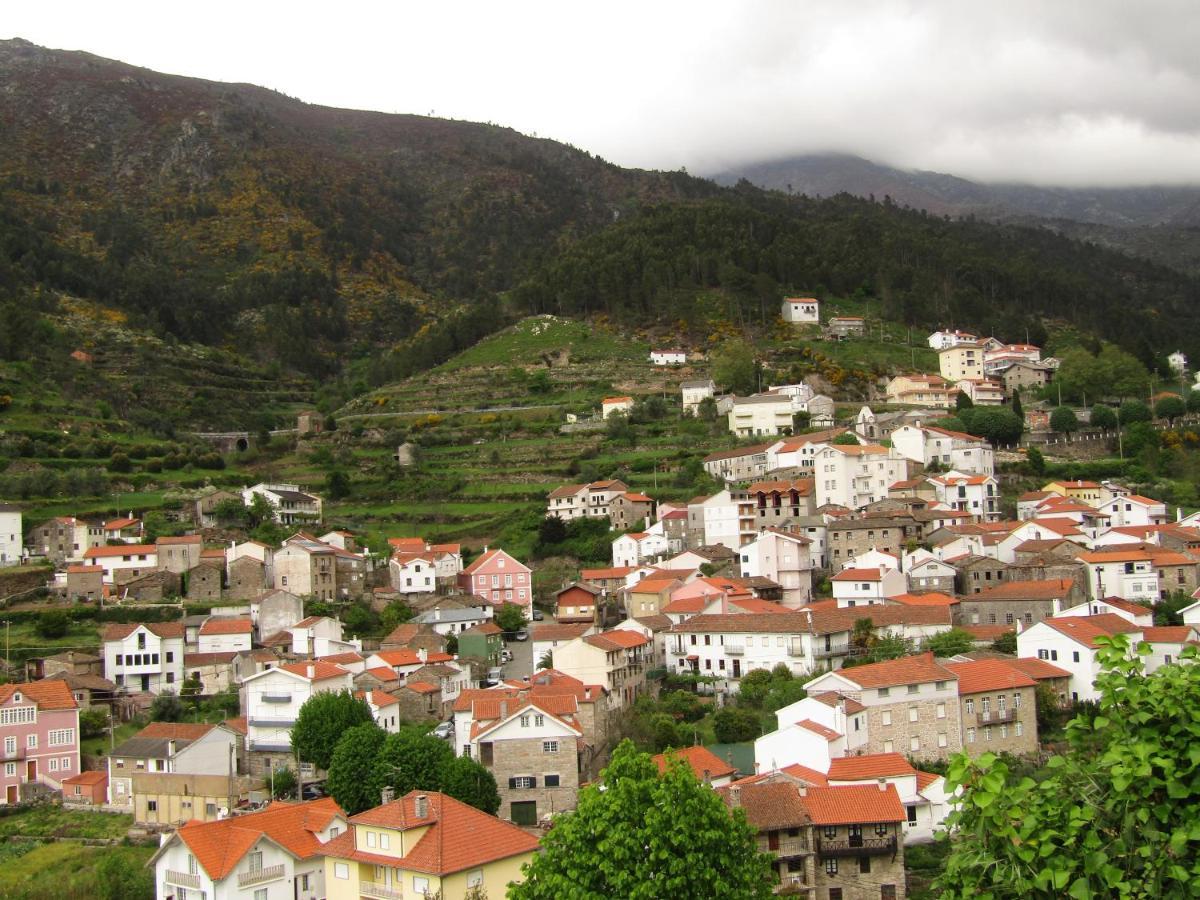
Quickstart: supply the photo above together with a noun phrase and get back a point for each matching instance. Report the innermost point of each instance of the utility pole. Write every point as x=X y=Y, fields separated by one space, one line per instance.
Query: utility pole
x=6 y=646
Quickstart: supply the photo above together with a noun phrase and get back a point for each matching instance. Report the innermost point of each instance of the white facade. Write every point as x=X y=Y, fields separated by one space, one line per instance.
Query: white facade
x=1134 y=510
x=213 y=753
x=1178 y=362
x=1044 y=642
x=719 y=520
x=961 y=361
x=693 y=392
x=292 y=506
x=949 y=449
x=143 y=661
x=271 y=700
x=944 y=340
x=761 y=414
x=10 y=535
x=612 y=405
x=452 y=621
x=785 y=559
x=867 y=587
x=801 y=310
x=136 y=559
x=668 y=357
x=1127 y=577
x=855 y=476
x=413 y=574
x=977 y=496
x=635 y=549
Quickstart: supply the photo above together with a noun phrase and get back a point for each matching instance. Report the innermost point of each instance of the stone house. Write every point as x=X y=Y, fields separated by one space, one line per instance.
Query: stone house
x=997 y=705
x=247 y=578
x=179 y=554
x=1026 y=602
x=977 y=573
x=85 y=582
x=853 y=537
x=204 y=581
x=628 y=508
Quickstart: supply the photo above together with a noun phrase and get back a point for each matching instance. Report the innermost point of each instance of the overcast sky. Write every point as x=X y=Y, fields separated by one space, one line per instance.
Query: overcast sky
x=1048 y=91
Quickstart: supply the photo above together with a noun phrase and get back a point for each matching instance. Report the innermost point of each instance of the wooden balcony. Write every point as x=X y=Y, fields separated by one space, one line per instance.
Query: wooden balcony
x=379 y=891
x=183 y=879
x=258 y=876
x=996 y=717
x=863 y=846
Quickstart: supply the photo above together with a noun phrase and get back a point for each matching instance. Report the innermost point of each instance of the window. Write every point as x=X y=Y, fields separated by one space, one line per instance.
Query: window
x=941 y=739
x=835 y=894
x=887 y=746
x=887 y=892
x=1004 y=731
x=370 y=839
x=1075 y=656
x=970 y=735
x=334 y=832
x=524 y=782
x=260 y=894
x=210 y=810
x=31 y=741
x=912 y=714
x=1054 y=655
x=941 y=710
x=539 y=720
x=970 y=705
x=341 y=870
x=914 y=743
x=549 y=746
x=152 y=805
x=385 y=842
x=864 y=865
x=524 y=721
x=987 y=733
x=1016 y=701
x=54 y=764
x=10 y=769
x=550 y=780
x=420 y=884
x=62 y=737
x=883 y=692
x=1020 y=729
x=475 y=879
x=18 y=715
x=914 y=688
x=887 y=717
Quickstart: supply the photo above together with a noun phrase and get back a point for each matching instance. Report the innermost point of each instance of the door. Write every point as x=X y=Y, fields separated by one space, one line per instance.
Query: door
x=145 y=682
x=31 y=770
x=11 y=793
x=737 y=668
x=856 y=836
x=524 y=812
x=772 y=840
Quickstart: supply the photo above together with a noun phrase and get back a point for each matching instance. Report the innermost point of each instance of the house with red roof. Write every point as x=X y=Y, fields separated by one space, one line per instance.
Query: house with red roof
x=129 y=560
x=426 y=844
x=853 y=586
x=220 y=634
x=616 y=660
x=954 y=450
x=39 y=731
x=705 y=765
x=1013 y=603
x=1119 y=572
x=1072 y=642
x=640 y=548
x=309 y=567
x=785 y=558
x=923 y=794
x=1134 y=509
x=281 y=849
x=853 y=823
x=998 y=708
x=271 y=700
x=499 y=578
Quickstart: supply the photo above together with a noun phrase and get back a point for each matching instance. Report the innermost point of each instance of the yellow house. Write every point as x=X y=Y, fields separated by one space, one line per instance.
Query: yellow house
x=964 y=361
x=1088 y=492
x=423 y=844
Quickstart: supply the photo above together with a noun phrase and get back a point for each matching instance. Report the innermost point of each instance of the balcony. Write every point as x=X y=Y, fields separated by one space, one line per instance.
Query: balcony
x=860 y=846
x=791 y=847
x=793 y=881
x=827 y=652
x=795 y=650
x=183 y=879
x=275 y=746
x=271 y=723
x=379 y=891
x=734 y=650
x=259 y=876
x=15 y=753
x=996 y=717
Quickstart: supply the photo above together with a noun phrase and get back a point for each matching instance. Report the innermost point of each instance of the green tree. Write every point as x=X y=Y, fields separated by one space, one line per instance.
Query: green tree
x=510 y=617
x=1113 y=817
x=1006 y=643
x=397 y=612
x=1170 y=408
x=116 y=878
x=321 y=722
x=1134 y=411
x=232 y=512
x=995 y=423
x=949 y=643
x=707 y=409
x=644 y=837
x=618 y=429
x=1104 y=417
x=845 y=440
x=1063 y=420
x=1016 y=407
x=1193 y=401
x=410 y=761
x=352 y=768
x=53 y=624
x=732 y=725
x=282 y=782
x=119 y=462
x=552 y=531
x=166 y=707
x=753 y=687
x=93 y=722
x=467 y=780
x=1037 y=462
x=337 y=485
x=962 y=401
x=735 y=368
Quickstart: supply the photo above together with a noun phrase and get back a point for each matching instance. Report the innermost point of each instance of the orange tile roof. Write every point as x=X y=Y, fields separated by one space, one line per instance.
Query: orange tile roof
x=1112 y=556
x=851 y=804
x=605 y=574
x=184 y=539
x=226 y=626
x=871 y=766
x=459 y=837
x=87 y=778
x=933 y=598
x=421 y=687
x=654 y=585
x=1037 y=668
x=905 y=670
x=756 y=605
x=556 y=631
x=237 y=724
x=1049 y=589
x=383 y=673
x=858 y=575
x=988 y=675
x=1168 y=634
x=337 y=658
x=322 y=671
x=834 y=699
x=50 y=693
x=1085 y=629
x=405 y=656
x=175 y=731
x=120 y=550
x=617 y=639
x=769 y=805
x=161 y=629
x=219 y=846
x=702 y=761
x=818 y=729
x=84 y=570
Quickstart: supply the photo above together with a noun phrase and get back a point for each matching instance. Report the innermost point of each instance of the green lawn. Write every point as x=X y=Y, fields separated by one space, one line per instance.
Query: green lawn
x=66 y=870
x=101 y=744
x=53 y=821
x=23 y=642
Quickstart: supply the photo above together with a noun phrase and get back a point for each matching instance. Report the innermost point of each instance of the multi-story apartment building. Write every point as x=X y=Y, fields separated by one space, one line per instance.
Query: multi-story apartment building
x=997 y=707
x=171 y=748
x=781 y=503
x=943 y=340
x=783 y=557
x=578 y=501
x=39 y=734
x=499 y=578
x=854 y=476
x=976 y=495
x=269 y=855
x=961 y=361
x=616 y=660
x=271 y=700
x=741 y=464
x=911 y=704
x=1128 y=574
x=956 y=450
x=144 y=657
x=917 y=389
x=761 y=414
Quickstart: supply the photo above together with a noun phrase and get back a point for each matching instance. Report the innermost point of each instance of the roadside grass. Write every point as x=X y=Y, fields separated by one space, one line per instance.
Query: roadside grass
x=54 y=821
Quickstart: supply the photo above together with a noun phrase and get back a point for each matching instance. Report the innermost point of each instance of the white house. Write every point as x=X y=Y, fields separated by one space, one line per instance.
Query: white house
x=171 y=748
x=639 y=547
x=1134 y=613
x=271 y=701
x=133 y=560
x=1178 y=362
x=944 y=340
x=452 y=621
x=854 y=476
x=867 y=587
x=292 y=506
x=275 y=854
x=413 y=573
x=715 y=520
x=841 y=731
x=872 y=559
x=982 y=391
x=668 y=357
x=1134 y=509
x=954 y=450
x=611 y=405
x=144 y=657
x=784 y=558
x=1128 y=574
x=10 y=534
x=761 y=414
x=1191 y=614
x=694 y=392
x=923 y=794
x=224 y=635
x=930 y=574
x=801 y=310
x=977 y=496
x=1166 y=643
x=1070 y=643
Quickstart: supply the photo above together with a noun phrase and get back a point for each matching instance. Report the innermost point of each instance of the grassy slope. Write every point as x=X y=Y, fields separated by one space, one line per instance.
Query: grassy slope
x=55 y=871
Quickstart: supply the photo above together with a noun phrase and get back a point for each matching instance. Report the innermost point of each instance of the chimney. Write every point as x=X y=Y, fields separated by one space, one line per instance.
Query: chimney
x=171 y=748
x=422 y=806
x=503 y=708
x=735 y=795
x=803 y=790
x=312 y=671
x=587 y=692
x=882 y=785
x=422 y=654
x=387 y=795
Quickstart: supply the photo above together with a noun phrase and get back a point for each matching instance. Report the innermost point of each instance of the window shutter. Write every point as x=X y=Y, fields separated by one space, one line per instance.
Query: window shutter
x=533 y=782
x=512 y=783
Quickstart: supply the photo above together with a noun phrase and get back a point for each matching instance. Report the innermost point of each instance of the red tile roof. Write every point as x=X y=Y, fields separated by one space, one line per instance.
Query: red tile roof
x=161 y=629
x=120 y=550
x=818 y=729
x=851 y=804
x=87 y=778
x=48 y=694
x=459 y=836
x=175 y=731
x=769 y=805
x=1049 y=589
x=1085 y=629
x=617 y=639
x=872 y=766
x=226 y=626
x=1037 y=669
x=322 y=671
x=858 y=575
x=988 y=675
x=933 y=598
x=925 y=779
x=703 y=762
x=1168 y=634
x=905 y=670
x=184 y=539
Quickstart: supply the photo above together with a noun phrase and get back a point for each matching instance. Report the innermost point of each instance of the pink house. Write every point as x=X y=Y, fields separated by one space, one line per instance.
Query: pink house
x=39 y=736
x=499 y=578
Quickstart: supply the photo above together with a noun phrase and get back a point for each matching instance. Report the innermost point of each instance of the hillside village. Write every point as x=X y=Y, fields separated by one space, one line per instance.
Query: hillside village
x=878 y=560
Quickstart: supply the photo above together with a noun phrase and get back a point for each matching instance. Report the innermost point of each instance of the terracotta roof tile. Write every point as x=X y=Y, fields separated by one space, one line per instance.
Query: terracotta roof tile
x=703 y=762
x=1049 y=589
x=818 y=729
x=322 y=671
x=988 y=675
x=226 y=626
x=769 y=806
x=1038 y=669
x=872 y=766
x=905 y=670
x=851 y=804
x=51 y=693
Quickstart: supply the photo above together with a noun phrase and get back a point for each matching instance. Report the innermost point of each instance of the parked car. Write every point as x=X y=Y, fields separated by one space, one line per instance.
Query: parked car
x=537 y=615
x=506 y=655
x=314 y=791
x=523 y=635
x=495 y=675
x=444 y=730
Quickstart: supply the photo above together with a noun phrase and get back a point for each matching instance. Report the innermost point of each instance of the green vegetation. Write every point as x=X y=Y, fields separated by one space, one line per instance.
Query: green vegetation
x=1113 y=817
x=57 y=870
x=322 y=721
x=644 y=836
x=54 y=821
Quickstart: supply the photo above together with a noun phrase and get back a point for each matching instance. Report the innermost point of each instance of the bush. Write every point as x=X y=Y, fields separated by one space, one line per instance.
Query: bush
x=54 y=623
x=732 y=725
